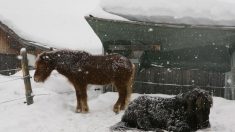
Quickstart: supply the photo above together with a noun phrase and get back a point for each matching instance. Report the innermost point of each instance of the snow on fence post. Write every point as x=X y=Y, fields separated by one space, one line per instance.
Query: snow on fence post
x=26 y=76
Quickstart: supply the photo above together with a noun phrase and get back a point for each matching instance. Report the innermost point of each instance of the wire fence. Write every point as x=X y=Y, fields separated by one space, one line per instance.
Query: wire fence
x=8 y=70
x=12 y=78
x=171 y=84
x=17 y=99
x=26 y=77
x=35 y=95
x=15 y=78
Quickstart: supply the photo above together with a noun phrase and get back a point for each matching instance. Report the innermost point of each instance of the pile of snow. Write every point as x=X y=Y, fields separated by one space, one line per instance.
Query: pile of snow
x=55 y=102
x=196 y=12
x=56 y=23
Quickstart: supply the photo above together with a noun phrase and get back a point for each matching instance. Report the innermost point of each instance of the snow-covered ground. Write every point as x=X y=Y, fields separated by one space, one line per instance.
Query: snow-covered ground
x=54 y=106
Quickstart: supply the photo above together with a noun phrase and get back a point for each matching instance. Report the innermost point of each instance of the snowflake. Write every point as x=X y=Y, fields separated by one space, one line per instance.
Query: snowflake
x=150 y=30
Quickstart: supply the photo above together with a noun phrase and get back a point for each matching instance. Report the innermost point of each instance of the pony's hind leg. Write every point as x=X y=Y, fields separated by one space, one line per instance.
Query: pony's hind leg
x=128 y=89
x=125 y=100
x=121 y=103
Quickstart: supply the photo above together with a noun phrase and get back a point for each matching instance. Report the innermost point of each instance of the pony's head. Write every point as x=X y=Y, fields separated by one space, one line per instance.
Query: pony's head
x=44 y=66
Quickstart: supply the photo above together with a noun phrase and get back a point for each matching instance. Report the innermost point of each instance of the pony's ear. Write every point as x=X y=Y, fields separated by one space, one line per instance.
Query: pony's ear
x=44 y=56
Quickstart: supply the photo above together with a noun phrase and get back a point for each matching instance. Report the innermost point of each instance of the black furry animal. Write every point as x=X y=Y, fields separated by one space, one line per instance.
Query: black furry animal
x=183 y=113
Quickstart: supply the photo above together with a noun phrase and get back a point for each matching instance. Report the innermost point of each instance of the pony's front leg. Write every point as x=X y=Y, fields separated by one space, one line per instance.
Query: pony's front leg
x=78 y=109
x=81 y=94
x=84 y=105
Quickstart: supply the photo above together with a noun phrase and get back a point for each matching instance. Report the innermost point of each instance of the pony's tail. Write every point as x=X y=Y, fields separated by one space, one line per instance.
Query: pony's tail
x=130 y=84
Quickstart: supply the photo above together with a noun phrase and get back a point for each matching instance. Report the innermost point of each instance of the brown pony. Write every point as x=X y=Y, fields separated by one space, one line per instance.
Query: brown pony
x=82 y=68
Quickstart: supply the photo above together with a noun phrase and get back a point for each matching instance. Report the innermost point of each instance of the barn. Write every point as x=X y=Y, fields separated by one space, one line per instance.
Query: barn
x=172 y=58
x=10 y=45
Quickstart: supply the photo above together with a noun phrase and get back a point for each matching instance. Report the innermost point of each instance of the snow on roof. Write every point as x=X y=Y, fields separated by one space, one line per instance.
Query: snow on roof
x=61 y=23
x=195 y=12
x=22 y=41
x=100 y=13
x=57 y=23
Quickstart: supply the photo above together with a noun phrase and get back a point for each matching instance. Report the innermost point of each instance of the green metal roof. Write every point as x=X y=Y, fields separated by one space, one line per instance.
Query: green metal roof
x=181 y=46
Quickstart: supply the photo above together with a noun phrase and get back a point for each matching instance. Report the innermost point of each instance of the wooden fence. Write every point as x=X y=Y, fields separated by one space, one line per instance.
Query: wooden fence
x=175 y=80
x=9 y=61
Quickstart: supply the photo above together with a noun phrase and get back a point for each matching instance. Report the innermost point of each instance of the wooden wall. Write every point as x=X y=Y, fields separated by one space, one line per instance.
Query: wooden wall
x=8 y=61
x=181 y=76
x=9 y=50
x=9 y=45
x=175 y=80
x=5 y=42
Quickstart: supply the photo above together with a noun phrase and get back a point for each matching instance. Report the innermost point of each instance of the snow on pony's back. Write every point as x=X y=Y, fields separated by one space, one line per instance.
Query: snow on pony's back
x=196 y=12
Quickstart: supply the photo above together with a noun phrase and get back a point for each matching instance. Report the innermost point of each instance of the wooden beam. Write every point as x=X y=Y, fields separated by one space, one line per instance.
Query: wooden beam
x=135 y=47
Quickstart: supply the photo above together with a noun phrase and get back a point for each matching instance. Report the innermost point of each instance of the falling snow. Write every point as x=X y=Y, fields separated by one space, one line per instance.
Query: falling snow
x=150 y=30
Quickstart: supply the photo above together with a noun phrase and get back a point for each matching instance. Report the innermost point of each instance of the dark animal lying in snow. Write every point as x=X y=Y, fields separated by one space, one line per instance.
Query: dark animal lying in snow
x=82 y=68
x=183 y=113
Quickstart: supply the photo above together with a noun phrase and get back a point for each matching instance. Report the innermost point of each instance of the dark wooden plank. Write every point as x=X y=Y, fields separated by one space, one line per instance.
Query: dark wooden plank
x=134 y=47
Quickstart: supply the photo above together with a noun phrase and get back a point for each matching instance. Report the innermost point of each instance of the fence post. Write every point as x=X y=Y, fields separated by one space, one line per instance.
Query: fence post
x=26 y=76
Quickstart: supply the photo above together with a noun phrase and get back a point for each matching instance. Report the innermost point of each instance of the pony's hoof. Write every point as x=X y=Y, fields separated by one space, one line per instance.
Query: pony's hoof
x=84 y=112
x=116 y=110
x=78 y=111
x=81 y=111
x=123 y=107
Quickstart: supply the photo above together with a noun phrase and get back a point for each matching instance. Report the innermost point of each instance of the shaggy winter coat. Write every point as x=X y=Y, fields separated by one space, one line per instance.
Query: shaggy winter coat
x=182 y=113
x=82 y=68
